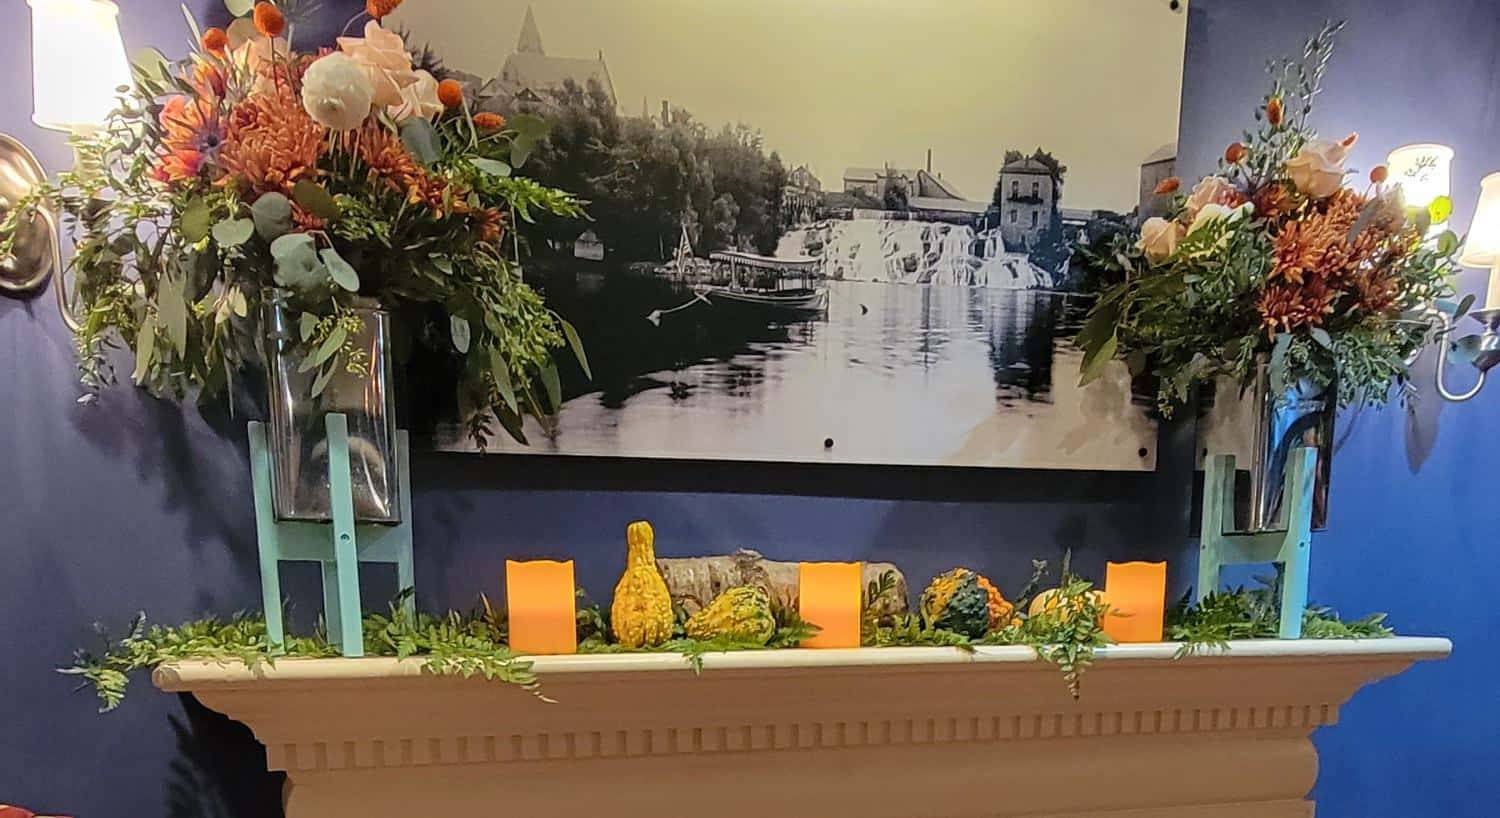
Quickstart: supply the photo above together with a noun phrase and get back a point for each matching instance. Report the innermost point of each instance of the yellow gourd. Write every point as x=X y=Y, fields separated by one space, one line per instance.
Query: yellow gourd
x=641 y=614
x=1051 y=600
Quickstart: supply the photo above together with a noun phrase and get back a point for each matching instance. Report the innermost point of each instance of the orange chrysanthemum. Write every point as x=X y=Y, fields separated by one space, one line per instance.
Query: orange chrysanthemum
x=1317 y=266
x=1272 y=201
x=215 y=41
x=271 y=141
x=491 y=225
x=269 y=20
x=1168 y=185
x=450 y=93
x=1379 y=174
x=489 y=122
x=378 y=9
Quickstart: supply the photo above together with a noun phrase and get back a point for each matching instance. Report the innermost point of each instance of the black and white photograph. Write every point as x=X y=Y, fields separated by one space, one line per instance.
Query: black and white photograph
x=816 y=235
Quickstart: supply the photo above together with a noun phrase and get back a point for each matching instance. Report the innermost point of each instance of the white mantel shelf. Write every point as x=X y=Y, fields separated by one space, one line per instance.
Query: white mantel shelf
x=879 y=733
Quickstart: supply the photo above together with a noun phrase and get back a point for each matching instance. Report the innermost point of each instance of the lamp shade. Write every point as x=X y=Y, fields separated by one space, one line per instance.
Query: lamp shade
x=1483 y=247
x=1423 y=171
x=77 y=62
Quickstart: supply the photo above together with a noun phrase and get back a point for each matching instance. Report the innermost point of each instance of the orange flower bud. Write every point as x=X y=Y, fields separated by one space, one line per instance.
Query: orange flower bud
x=487 y=121
x=1275 y=112
x=1235 y=153
x=215 y=41
x=378 y=9
x=1348 y=141
x=1168 y=185
x=450 y=93
x=1379 y=174
x=269 y=19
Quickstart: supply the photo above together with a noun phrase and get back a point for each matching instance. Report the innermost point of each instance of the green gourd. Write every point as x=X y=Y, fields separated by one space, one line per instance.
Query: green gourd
x=956 y=601
x=742 y=614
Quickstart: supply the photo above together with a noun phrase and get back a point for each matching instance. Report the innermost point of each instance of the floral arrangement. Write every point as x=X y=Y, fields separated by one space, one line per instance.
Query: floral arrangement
x=331 y=177
x=1273 y=258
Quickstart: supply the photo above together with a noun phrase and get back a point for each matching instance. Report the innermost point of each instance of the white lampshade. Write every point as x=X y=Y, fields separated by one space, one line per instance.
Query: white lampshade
x=1483 y=246
x=1423 y=172
x=77 y=62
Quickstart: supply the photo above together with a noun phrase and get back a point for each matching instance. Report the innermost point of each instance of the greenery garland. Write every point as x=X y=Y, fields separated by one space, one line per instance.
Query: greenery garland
x=1067 y=634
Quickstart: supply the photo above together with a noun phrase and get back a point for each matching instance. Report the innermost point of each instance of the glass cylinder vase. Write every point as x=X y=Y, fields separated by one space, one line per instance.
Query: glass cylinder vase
x=356 y=384
x=1261 y=428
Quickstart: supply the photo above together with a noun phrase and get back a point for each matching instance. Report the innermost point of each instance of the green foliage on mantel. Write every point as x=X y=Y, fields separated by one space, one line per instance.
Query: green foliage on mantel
x=1255 y=613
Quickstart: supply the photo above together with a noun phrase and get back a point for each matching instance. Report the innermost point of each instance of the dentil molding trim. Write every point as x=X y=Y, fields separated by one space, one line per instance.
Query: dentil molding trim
x=880 y=733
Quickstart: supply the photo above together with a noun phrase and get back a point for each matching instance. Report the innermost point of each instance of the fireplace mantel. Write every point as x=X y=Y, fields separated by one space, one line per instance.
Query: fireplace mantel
x=879 y=733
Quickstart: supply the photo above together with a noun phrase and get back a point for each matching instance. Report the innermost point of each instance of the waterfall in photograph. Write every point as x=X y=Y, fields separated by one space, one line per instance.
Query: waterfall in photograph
x=915 y=252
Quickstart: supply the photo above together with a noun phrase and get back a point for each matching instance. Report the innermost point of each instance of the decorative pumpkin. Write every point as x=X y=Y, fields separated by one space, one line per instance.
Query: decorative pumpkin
x=1002 y=612
x=1051 y=600
x=742 y=613
x=641 y=614
x=955 y=601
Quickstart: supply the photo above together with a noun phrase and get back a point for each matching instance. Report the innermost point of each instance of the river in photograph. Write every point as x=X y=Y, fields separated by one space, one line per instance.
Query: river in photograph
x=892 y=373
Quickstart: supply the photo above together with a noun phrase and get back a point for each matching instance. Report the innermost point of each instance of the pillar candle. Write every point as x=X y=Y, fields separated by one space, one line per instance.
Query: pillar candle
x=1136 y=593
x=829 y=595
x=540 y=599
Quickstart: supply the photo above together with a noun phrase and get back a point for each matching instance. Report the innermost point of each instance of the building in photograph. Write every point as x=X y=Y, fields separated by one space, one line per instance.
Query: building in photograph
x=530 y=74
x=801 y=196
x=925 y=194
x=1026 y=205
x=1160 y=165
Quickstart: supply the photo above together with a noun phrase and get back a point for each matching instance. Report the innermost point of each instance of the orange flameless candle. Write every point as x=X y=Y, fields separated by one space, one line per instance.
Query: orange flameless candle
x=540 y=599
x=829 y=597
x=1136 y=593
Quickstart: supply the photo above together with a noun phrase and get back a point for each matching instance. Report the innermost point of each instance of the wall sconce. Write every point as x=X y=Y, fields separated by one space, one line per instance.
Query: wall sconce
x=1424 y=172
x=1482 y=250
x=77 y=63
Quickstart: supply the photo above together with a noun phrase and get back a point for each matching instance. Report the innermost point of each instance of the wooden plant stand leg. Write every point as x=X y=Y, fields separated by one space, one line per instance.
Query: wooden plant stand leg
x=339 y=548
x=1290 y=549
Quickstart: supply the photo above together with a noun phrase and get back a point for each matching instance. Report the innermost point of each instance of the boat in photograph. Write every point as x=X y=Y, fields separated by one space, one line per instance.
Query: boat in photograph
x=772 y=301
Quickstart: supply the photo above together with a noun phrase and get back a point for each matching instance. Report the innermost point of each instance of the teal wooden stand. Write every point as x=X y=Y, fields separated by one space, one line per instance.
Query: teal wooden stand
x=340 y=547
x=1289 y=549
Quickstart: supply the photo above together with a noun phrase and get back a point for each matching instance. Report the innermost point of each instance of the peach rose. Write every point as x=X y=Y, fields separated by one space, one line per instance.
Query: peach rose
x=1318 y=168
x=1210 y=190
x=1159 y=239
x=384 y=57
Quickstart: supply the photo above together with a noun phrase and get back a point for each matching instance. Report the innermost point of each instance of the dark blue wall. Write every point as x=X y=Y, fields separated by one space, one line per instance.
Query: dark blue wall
x=135 y=503
x=1412 y=522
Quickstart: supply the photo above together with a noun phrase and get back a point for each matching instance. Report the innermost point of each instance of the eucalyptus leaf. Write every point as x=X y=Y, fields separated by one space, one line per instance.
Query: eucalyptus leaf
x=1093 y=362
x=493 y=167
x=307 y=324
x=339 y=270
x=530 y=126
x=272 y=213
x=1447 y=243
x=459 y=329
x=1464 y=306
x=553 y=385
x=315 y=199
x=322 y=380
x=1440 y=209
x=172 y=308
x=326 y=350
x=145 y=345
x=577 y=344
x=1322 y=337
x=196 y=220
x=421 y=139
x=152 y=65
x=233 y=232
x=239 y=8
x=501 y=373
x=520 y=150
x=296 y=261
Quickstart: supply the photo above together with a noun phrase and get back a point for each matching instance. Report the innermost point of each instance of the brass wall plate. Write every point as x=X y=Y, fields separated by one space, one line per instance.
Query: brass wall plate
x=36 y=252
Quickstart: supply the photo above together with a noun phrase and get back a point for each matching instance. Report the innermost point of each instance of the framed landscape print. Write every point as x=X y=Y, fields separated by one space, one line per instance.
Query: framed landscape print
x=829 y=230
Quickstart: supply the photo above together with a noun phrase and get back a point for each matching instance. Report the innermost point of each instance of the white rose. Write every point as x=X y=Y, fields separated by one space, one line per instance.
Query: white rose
x=385 y=59
x=336 y=92
x=1318 y=168
x=1159 y=239
x=420 y=99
